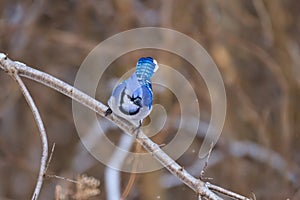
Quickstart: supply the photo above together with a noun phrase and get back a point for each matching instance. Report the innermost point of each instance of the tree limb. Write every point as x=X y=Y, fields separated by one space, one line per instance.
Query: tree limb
x=41 y=128
x=200 y=187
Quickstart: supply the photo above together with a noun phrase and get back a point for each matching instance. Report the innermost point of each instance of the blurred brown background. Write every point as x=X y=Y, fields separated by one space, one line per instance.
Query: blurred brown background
x=255 y=44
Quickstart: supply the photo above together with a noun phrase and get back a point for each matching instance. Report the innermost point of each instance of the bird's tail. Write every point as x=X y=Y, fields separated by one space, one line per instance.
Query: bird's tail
x=145 y=68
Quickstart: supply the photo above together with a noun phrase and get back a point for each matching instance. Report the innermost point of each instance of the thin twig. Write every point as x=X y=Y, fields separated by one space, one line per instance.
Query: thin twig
x=50 y=158
x=55 y=176
x=42 y=131
x=206 y=163
x=225 y=192
x=195 y=184
x=62 y=178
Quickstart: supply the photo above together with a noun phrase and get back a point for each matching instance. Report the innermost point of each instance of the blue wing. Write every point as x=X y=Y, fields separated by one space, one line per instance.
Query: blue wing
x=144 y=95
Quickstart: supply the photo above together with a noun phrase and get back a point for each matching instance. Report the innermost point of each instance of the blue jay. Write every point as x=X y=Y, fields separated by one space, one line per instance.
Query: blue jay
x=132 y=99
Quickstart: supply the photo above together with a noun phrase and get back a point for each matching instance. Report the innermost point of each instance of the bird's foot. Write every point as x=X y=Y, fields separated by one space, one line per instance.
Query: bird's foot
x=137 y=128
x=108 y=112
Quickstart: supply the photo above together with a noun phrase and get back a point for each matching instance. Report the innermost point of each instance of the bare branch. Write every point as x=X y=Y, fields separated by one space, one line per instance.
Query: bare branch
x=195 y=184
x=42 y=131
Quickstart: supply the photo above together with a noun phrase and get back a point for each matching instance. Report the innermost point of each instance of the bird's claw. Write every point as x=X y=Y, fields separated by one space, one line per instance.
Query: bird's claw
x=108 y=112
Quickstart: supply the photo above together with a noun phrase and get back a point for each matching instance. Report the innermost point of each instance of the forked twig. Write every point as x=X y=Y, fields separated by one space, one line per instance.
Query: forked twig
x=50 y=158
x=206 y=164
x=201 y=188
x=55 y=176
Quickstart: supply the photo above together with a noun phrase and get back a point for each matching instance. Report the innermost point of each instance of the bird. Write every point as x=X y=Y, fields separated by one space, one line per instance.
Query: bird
x=132 y=98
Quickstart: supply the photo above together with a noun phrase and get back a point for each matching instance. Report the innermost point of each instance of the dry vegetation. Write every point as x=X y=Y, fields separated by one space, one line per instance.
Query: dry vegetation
x=255 y=44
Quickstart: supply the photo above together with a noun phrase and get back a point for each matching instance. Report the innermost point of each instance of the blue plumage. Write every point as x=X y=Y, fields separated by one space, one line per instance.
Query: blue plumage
x=145 y=69
x=132 y=99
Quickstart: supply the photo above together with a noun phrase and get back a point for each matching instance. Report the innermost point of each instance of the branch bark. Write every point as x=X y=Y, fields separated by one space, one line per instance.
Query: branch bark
x=41 y=129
